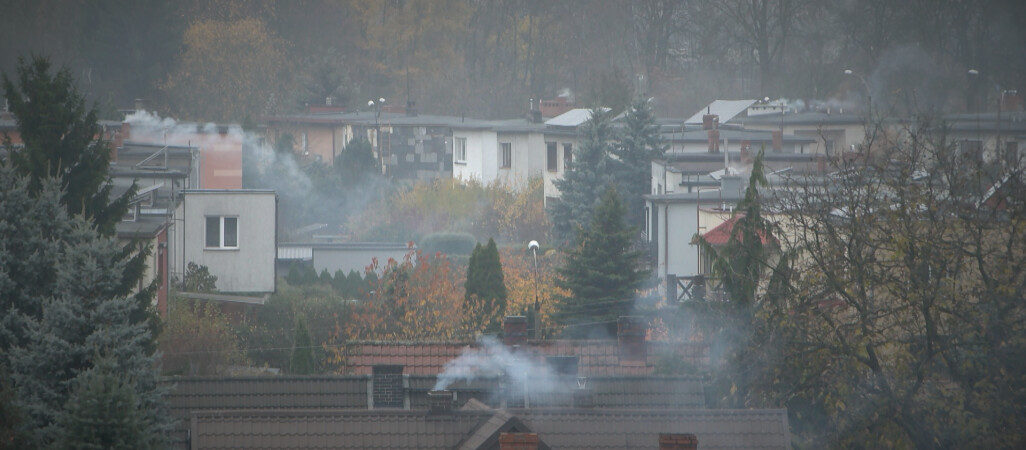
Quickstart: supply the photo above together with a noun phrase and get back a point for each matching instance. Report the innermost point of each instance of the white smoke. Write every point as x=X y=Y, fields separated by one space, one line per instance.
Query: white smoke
x=492 y=359
x=149 y=127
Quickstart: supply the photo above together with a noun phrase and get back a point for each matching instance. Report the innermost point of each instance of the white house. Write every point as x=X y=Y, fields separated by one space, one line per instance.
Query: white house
x=508 y=151
x=233 y=233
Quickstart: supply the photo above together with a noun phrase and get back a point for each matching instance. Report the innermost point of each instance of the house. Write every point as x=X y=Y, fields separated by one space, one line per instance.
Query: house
x=560 y=141
x=409 y=146
x=411 y=397
x=212 y=153
x=833 y=133
x=505 y=151
x=232 y=232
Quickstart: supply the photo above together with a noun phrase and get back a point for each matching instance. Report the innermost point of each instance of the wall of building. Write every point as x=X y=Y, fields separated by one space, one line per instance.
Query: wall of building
x=248 y=268
x=481 y=150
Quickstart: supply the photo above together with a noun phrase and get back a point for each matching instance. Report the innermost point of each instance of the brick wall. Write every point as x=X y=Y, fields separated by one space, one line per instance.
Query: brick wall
x=388 y=389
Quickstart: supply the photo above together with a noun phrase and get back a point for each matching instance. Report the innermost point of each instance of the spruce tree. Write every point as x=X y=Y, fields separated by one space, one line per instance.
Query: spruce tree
x=585 y=178
x=80 y=316
x=601 y=271
x=639 y=144
x=62 y=139
x=485 y=289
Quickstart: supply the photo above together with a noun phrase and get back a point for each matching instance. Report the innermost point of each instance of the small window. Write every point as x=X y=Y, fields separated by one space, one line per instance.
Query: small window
x=568 y=155
x=222 y=232
x=506 y=158
x=552 y=159
x=459 y=150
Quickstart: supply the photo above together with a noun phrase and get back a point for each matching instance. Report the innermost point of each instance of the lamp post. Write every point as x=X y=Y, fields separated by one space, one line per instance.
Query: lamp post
x=533 y=246
x=377 y=130
x=869 y=92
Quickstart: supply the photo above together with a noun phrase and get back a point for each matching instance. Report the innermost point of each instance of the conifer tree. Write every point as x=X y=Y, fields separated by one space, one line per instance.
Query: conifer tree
x=639 y=144
x=601 y=271
x=62 y=139
x=80 y=314
x=302 y=360
x=485 y=289
x=586 y=177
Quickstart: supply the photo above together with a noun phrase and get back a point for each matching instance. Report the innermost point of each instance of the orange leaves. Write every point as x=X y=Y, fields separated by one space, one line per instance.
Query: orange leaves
x=418 y=298
x=523 y=282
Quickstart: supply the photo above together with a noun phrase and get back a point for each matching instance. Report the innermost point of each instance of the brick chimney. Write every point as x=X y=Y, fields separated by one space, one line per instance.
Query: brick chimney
x=678 y=441
x=778 y=140
x=441 y=402
x=710 y=122
x=714 y=141
x=514 y=330
x=388 y=389
x=630 y=335
x=519 y=441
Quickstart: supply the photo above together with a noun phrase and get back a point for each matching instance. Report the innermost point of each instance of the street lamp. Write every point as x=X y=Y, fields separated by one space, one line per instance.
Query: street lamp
x=869 y=92
x=377 y=130
x=533 y=246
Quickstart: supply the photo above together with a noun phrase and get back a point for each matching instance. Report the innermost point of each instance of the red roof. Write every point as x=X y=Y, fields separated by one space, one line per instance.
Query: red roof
x=720 y=234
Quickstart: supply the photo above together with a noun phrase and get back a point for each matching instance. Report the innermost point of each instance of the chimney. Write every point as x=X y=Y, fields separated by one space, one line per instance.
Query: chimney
x=441 y=402
x=411 y=108
x=778 y=140
x=519 y=441
x=710 y=122
x=630 y=335
x=387 y=390
x=678 y=441
x=714 y=141
x=731 y=184
x=1011 y=101
x=583 y=397
x=140 y=104
x=746 y=152
x=514 y=330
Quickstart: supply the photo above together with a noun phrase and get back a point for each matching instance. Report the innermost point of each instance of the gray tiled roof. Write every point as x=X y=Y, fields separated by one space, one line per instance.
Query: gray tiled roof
x=337 y=429
x=608 y=429
x=475 y=428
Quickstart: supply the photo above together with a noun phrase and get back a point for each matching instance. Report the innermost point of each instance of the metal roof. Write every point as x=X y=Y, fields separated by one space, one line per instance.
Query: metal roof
x=726 y=109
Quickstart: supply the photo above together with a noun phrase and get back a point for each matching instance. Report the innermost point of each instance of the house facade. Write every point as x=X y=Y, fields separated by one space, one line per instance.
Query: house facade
x=233 y=233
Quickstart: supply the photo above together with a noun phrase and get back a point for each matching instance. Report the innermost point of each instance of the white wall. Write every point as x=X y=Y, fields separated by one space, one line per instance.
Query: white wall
x=248 y=268
x=481 y=151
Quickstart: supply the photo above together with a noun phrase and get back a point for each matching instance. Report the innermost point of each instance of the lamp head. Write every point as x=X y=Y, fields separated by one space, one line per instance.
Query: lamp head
x=533 y=245
x=370 y=103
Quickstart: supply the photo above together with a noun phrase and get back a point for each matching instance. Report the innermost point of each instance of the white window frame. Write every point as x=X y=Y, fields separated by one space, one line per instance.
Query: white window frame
x=459 y=149
x=221 y=222
x=505 y=155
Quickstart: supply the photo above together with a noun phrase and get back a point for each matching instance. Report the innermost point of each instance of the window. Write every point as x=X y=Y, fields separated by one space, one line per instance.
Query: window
x=222 y=232
x=506 y=158
x=550 y=147
x=459 y=149
x=568 y=155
